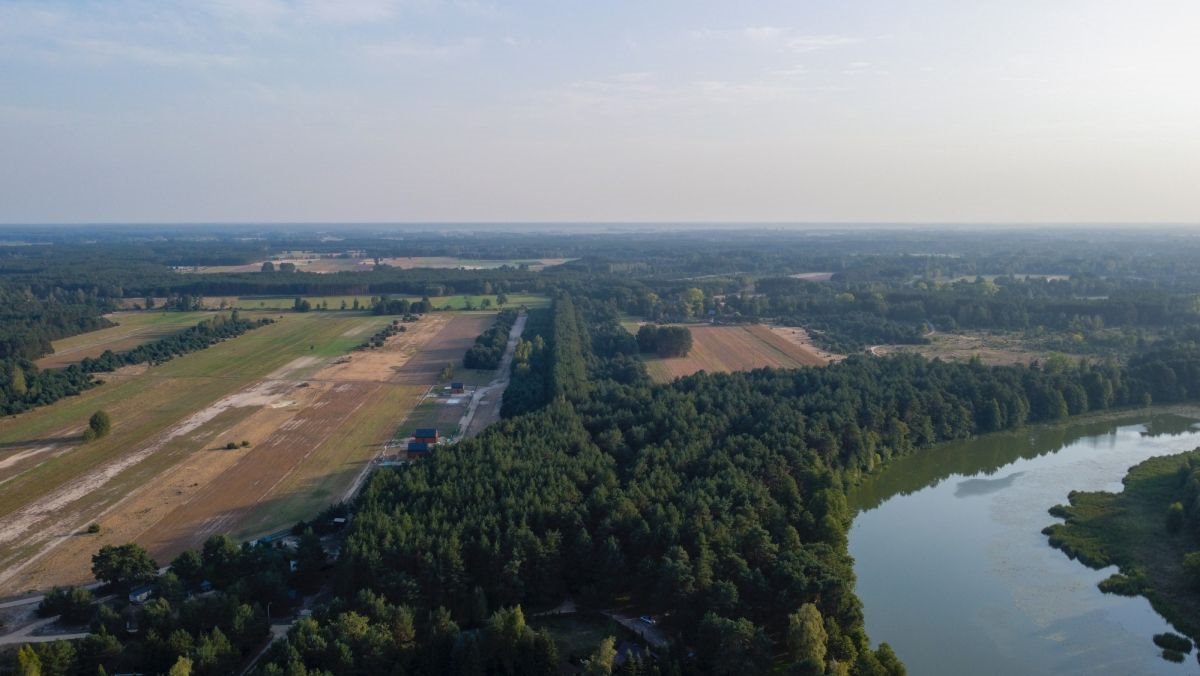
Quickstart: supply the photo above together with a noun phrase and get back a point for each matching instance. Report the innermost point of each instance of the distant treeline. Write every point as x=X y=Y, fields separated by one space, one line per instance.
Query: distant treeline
x=489 y=346
x=400 y=306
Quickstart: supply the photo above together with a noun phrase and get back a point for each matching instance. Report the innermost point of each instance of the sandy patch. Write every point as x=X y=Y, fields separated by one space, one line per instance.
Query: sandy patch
x=293 y=365
x=131 y=518
x=18 y=457
x=51 y=514
x=380 y=364
x=813 y=276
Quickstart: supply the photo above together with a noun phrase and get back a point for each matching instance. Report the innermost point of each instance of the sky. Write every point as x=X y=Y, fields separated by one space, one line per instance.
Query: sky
x=985 y=111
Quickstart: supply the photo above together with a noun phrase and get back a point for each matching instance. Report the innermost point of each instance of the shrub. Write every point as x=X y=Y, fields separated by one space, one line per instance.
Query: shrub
x=94 y=528
x=1169 y=641
x=1172 y=655
x=230 y=446
x=1191 y=567
x=100 y=423
x=1175 y=517
x=245 y=444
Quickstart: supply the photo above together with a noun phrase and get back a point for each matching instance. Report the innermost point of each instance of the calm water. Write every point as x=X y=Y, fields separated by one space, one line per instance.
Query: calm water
x=953 y=570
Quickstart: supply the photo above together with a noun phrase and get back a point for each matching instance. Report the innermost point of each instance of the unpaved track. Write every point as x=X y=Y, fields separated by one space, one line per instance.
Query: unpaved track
x=484 y=408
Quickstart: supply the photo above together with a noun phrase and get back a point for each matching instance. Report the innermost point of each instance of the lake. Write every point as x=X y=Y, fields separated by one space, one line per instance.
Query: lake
x=954 y=572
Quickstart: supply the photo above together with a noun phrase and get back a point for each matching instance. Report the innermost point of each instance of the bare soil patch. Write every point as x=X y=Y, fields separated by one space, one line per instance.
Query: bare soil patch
x=734 y=348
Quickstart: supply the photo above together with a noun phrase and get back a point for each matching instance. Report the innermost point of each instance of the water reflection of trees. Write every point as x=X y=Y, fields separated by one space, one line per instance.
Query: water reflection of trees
x=989 y=454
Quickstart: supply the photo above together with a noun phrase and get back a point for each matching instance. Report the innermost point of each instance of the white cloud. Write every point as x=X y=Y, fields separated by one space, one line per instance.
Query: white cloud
x=780 y=38
x=350 y=11
x=407 y=49
x=102 y=51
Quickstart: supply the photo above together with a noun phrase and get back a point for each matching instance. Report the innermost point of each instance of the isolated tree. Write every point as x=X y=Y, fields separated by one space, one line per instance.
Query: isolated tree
x=1174 y=517
x=501 y=299
x=28 y=662
x=183 y=665
x=17 y=381
x=1191 y=568
x=806 y=636
x=268 y=266
x=123 y=566
x=188 y=566
x=310 y=558
x=601 y=661
x=100 y=423
x=57 y=658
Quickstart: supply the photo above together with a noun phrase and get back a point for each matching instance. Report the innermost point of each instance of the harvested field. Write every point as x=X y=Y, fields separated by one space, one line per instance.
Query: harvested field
x=447 y=347
x=164 y=478
x=734 y=348
x=133 y=329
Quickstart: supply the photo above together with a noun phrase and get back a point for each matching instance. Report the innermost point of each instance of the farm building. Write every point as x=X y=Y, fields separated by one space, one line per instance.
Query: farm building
x=419 y=447
x=426 y=435
x=457 y=388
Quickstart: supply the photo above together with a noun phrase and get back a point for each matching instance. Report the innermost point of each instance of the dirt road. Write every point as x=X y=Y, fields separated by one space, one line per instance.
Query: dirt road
x=484 y=408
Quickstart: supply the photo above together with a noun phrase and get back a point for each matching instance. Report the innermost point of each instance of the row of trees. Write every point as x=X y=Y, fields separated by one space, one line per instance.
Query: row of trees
x=24 y=386
x=489 y=346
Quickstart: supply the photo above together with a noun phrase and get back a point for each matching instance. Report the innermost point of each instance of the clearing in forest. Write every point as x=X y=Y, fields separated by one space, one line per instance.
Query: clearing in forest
x=313 y=410
x=734 y=348
x=992 y=349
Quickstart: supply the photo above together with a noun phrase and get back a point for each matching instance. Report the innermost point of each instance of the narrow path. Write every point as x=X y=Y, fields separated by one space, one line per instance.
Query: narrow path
x=495 y=388
x=648 y=632
x=26 y=634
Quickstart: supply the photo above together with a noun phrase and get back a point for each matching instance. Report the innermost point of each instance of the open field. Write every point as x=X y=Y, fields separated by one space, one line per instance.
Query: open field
x=313 y=412
x=328 y=264
x=733 y=348
x=133 y=329
x=990 y=348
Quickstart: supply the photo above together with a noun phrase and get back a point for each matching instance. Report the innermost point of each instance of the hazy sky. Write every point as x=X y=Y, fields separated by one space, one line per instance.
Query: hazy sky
x=418 y=110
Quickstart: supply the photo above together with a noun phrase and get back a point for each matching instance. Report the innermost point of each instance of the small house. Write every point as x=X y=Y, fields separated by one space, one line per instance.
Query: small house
x=418 y=447
x=139 y=595
x=457 y=388
x=426 y=435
